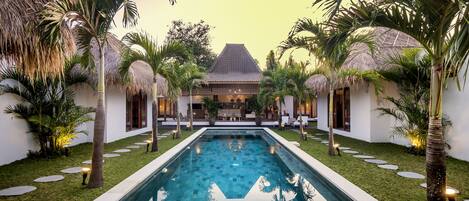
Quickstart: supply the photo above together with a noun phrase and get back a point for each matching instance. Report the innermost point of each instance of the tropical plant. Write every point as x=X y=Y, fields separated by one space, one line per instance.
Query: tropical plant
x=180 y=77
x=256 y=105
x=274 y=85
x=142 y=47
x=91 y=21
x=47 y=105
x=442 y=28
x=298 y=76
x=330 y=49
x=271 y=62
x=212 y=109
x=193 y=77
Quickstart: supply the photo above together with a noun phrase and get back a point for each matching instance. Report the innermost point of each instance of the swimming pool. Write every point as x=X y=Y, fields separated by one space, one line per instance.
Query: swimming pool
x=235 y=164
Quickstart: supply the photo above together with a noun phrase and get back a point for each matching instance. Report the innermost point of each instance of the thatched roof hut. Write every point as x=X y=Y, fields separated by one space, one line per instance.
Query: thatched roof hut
x=388 y=43
x=22 y=44
x=141 y=75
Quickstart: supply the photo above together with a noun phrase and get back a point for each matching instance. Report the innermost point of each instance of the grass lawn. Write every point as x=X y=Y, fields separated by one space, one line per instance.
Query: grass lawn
x=23 y=172
x=380 y=183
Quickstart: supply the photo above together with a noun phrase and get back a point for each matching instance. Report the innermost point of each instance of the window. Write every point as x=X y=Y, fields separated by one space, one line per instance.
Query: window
x=341 y=109
x=136 y=111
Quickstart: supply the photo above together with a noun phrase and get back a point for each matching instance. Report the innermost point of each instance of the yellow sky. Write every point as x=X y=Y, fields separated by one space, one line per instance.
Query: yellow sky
x=260 y=24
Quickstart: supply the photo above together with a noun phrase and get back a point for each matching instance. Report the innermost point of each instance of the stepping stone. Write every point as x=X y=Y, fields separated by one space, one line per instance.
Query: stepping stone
x=122 y=150
x=456 y=191
x=111 y=155
x=295 y=143
x=344 y=148
x=145 y=134
x=140 y=143
x=363 y=156
x=389 y=167
x=17 y=190
x=325 y=142
x=411 y=175
x=375 y=161
x=133 y=147
x=350 y=152
x=71 y=170
x=88 y=162
x=51 y=178
x=161 y=137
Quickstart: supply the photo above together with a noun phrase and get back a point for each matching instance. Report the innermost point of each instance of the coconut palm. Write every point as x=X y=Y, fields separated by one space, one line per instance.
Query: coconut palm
x=24 y=44
x=330 y=49
x=442 y=28
x=193 y=77
x=298 y=76
x=274 y=86
x=144 y=48
x=91 y=20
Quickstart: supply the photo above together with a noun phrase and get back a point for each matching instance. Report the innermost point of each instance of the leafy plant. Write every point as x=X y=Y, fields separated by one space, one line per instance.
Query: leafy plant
x=212 y=109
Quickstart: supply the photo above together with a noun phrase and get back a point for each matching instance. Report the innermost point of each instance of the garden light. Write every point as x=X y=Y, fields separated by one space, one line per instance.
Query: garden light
x=148 y=144
x=450 y=194
x=336 y=146
x=85 y=171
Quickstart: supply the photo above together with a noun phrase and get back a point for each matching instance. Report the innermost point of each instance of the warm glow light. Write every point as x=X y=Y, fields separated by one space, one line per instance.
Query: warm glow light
x=272 y=150
x=165 y=170
x=450 y=191
x=85 y=169
x=197 y=149
x=149 y=141
x=336 y=145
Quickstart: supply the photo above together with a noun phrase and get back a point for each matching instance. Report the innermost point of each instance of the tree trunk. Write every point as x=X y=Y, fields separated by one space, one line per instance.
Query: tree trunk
x=96 y=176
x=302 y=130
x=332 y=151
x=154 y=116
x=279 y=112
x=191 y=113
x=435 y=154
x=178 y=119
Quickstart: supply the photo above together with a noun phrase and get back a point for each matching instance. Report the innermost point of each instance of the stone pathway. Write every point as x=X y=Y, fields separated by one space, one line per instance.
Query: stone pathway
x=363 y=156
x=411 y=175
x=344 y=148
x=376 y=161
x=350 y=152
x=325 y=142
x=52 y=178
x=111 y=155
x=295 y=143
x=389 y=167
x=88 y=162
x=17 y=190
x=140 y=143
x=122 y=150
x=72 y=170
x=132 y=147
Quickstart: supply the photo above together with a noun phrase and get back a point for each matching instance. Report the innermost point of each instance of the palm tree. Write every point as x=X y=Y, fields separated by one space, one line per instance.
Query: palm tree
x=330 y=49
x=155 y=56
x=298 y=76
x=193 y=77
x=442 y=28
x=274 y=85
x=91 y=20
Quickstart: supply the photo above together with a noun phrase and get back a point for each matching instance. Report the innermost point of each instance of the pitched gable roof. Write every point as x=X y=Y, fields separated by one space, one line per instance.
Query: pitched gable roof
x=234 y=64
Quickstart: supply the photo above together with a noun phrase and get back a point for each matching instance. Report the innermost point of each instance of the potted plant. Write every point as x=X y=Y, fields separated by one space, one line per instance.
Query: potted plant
x=212 y=110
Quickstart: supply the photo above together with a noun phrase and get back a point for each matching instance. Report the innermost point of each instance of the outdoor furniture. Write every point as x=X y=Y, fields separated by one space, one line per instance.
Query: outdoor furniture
x=285 y=120
x=252 y=115
x=305 y=121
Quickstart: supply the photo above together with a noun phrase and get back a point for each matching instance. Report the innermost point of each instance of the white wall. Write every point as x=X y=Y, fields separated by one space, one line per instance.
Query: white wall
x=85 y=96
x=288 y=106
x=183 y=103
x=116 y=116
x=15 y=141
x=456 y=107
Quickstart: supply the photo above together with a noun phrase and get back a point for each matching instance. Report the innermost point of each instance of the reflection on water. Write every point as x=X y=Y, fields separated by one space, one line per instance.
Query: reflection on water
x=230 y=168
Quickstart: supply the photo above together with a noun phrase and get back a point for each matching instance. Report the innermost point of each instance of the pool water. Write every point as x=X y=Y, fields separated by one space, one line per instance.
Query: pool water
x=245 y=166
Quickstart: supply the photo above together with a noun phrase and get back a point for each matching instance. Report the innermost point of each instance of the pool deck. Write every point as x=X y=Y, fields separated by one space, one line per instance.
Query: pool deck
x=123 y=188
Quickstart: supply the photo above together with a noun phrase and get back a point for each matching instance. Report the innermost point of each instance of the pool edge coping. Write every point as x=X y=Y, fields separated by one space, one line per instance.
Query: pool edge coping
x=120 y=190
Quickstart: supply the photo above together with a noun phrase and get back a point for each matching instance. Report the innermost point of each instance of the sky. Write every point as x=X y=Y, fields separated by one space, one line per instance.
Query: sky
x=259 y=24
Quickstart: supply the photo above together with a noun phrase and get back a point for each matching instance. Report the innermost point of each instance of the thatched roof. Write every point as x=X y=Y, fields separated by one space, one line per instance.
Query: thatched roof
x=389 y=42
x=22 y=44
x=141 y=76
x=234 y=65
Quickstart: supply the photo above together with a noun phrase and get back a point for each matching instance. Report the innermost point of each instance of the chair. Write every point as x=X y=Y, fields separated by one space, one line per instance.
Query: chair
x=305 y=121
x=286 y=120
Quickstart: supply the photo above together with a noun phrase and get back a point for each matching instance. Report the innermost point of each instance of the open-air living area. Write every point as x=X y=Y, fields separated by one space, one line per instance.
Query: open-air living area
x=306 y=100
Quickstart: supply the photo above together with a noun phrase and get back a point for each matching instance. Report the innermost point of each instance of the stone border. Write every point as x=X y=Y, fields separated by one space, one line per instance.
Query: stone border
x=123 y=188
